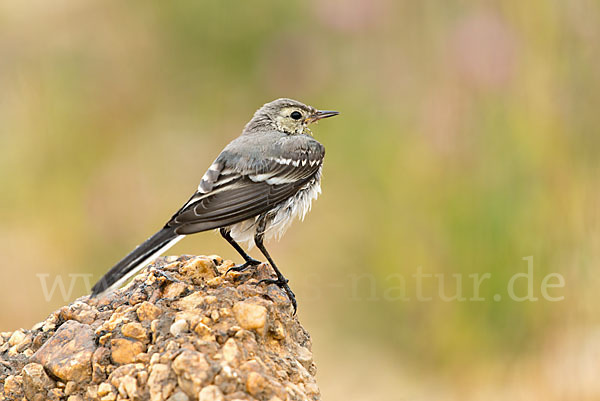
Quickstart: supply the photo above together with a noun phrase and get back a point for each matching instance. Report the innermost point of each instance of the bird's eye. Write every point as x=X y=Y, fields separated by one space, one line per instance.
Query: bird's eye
x=296 y=115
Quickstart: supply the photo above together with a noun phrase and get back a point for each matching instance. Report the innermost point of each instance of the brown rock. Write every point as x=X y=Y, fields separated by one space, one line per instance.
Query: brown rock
x=304 y=356
x=54 y=394
x=231 y=352
x=226 y=339
x=203 y=331
x=105 y=389
x=191 y=301
x=193 y=371
x=20 y=346
x=239 y=396
x=256 y=383
x=159 y=382
x=199 y=269
x=100 y=360
x=68 y=353
x=251 y=316
x=179 y=396
x=147 y=311
x=174 y=290
x=79 y=311
x=125 y=380
x=134 y=330
x=35 y=380
x=128 y=388
x=211 y=393
x=124 y=351
x=104 y=339
x=92 y=392
x=119 y=316
x=16 y=338
x=178 y=327
x=13 y=386
x=278 y=331
x=142 y=377
x=70 y=388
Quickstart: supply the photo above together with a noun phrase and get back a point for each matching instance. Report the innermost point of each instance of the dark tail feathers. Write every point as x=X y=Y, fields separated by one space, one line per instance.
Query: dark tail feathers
x=133 y=262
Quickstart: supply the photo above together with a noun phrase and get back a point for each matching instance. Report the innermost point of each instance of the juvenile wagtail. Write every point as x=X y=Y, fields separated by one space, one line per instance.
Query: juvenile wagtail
x=254 y=189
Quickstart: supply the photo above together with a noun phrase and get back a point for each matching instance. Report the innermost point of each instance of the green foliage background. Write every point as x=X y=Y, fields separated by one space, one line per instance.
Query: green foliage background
x=468 y=140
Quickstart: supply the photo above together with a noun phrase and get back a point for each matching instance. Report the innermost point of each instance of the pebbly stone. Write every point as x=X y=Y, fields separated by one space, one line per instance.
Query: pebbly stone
x=178 y=327
x=68 y=353
x=16 y=338
x=210 y=337
x=148 y=312
x=35 y=380
x=128 y=387
x=231 y=352
x=193 y=371
x=79 y=311
x=251 y=316
x=104 y=389
x=179 y=396
x=175 y=290
x=13 y=386
x=125 y=351
x=160 y=382
x=135 y=330
x=211 y=393
x=191 y=302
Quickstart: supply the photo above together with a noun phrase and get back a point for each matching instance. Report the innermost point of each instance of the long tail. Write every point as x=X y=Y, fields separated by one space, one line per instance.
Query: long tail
x=137 y=259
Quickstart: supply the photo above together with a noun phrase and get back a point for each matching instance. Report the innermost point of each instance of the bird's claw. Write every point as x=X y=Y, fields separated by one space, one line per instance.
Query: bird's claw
x=246 y=265
x=283 y=284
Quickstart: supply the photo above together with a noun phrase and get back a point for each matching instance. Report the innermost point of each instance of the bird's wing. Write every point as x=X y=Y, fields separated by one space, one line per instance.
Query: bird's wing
x=227 y=195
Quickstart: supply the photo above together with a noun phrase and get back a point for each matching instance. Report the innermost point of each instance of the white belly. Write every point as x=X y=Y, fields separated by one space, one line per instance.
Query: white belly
x=280 y=218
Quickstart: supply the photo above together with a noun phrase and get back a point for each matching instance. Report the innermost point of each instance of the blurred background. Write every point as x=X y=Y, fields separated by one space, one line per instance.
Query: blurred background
x=468 y=141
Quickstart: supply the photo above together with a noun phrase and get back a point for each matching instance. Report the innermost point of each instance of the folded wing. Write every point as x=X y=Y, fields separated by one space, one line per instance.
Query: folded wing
x=226 y=196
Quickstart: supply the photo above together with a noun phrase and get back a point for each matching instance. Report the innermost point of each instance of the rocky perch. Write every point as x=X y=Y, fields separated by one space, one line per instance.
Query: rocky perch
x=182 y=330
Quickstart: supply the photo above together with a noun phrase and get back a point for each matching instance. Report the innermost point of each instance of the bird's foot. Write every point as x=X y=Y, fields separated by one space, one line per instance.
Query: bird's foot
x=246 y=265
x=283 y=284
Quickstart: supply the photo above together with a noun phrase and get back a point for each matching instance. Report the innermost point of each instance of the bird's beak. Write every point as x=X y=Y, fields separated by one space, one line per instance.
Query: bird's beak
x=320 y=114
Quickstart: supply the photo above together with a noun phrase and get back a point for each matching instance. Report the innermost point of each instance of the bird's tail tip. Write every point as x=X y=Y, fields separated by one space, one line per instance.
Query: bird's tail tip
x=135 y=261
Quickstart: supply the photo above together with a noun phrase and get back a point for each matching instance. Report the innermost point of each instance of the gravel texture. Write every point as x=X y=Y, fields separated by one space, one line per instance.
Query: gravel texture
x=182 y=330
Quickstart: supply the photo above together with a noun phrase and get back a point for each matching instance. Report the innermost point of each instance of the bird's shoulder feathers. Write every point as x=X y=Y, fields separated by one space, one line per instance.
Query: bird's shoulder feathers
x=248 y=178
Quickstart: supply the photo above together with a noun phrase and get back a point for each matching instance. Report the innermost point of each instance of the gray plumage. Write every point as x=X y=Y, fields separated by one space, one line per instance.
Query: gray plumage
x=254 y=189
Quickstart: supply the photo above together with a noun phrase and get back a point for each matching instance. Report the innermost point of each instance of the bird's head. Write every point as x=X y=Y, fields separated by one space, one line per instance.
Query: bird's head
x=287 y=115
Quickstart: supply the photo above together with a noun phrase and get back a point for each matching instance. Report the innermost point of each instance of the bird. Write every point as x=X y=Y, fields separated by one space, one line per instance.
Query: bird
x=259 y=183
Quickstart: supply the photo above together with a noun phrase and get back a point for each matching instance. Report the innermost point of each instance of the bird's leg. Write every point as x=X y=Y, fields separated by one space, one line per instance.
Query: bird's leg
x=249 y=261
x=281 y=281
